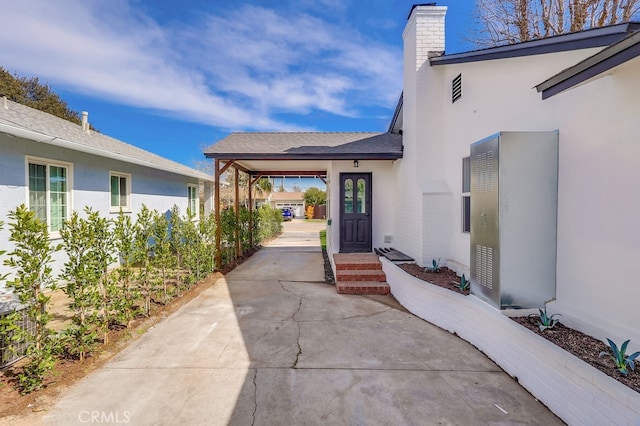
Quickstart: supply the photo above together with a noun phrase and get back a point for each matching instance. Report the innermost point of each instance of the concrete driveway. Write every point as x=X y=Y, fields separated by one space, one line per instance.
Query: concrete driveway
x=272 y=344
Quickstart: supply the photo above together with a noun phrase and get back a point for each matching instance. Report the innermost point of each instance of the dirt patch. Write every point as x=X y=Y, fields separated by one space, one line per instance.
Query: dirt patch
x=24 y=409
x=584 y=347
x=445 y=278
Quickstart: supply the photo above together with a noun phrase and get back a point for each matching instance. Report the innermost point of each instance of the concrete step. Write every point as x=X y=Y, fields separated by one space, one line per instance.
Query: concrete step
x=363 y=287
x=360 y=275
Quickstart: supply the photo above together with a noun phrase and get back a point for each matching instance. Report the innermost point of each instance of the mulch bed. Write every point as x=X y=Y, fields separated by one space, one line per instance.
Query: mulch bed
x=579 y=344
x=328 y=271
x=584 y=347
x=445 y=278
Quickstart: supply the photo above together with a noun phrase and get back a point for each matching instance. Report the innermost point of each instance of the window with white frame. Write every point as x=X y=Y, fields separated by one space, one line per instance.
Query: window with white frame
x=193 y=200
x=466 y=194
x=49 y=191
x=120 y=184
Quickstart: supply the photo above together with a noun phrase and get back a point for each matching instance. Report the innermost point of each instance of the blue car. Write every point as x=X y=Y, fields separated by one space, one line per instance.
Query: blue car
x=287 y=214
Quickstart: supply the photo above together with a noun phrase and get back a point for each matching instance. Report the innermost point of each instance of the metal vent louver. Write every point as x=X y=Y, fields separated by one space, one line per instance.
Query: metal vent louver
x=484 y=171
x=484 y=266
x=456 y=88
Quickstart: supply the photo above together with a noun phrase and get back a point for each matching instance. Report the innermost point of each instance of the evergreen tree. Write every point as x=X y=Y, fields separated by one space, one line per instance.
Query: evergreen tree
x=32 y=93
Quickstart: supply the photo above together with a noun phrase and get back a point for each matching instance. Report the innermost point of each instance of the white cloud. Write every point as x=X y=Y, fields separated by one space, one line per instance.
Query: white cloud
x=237 y=69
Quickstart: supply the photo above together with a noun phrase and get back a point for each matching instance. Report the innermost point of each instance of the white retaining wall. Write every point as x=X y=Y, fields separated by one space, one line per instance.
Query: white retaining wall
x=575 y=391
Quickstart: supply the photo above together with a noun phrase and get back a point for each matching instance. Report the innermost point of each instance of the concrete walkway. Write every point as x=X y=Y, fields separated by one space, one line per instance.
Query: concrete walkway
x=272 y=344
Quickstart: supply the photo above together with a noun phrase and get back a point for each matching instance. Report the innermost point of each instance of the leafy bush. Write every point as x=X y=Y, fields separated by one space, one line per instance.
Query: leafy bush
x=243 y=229
x=31 y=259
x=228 y=228
x=143 y=251
x=122 y=293
x=309 y=212
x=164 y=259
x=620 y=357
x=83 y=273
x=270 y=220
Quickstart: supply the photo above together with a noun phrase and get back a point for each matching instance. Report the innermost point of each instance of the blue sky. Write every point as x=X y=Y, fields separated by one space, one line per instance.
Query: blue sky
x=175 y=76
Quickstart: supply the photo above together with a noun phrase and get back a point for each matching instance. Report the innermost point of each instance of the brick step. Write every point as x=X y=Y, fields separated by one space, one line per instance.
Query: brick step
x=356 y=261
x=359 y=266
x=363 y=287
x=351 y=275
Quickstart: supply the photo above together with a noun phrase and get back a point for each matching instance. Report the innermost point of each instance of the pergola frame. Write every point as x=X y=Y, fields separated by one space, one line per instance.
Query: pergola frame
x=221 y=166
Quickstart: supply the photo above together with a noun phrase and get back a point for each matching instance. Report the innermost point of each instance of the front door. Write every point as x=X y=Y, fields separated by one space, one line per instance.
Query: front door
x=355 y=212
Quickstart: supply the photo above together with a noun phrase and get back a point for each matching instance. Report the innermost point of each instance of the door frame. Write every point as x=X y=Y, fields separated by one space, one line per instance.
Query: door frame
x=368 y=246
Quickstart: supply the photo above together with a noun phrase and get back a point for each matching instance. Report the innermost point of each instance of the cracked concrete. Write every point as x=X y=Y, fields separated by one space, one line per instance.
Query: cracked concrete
x=272 y=344
x=293 y=317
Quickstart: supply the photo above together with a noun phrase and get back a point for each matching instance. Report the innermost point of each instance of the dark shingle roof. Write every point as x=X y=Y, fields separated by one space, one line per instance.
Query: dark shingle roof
x=29 y=123
x=307 y=145
x=609 y=57
x=593 y=37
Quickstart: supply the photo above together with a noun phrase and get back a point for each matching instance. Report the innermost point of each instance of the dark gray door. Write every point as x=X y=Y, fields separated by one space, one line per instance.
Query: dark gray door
x=355 y=212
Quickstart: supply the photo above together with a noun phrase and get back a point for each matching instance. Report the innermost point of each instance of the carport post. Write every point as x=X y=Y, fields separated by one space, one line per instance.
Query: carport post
x=250 y=213
x=237 y=205
x=216 y=197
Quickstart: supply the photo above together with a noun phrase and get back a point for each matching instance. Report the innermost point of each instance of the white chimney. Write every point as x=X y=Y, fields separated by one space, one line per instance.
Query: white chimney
x=4 y=102
x=85 y=121
x=426 y=29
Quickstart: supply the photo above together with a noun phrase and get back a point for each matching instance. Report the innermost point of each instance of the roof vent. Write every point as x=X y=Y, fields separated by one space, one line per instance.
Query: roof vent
x=85 y=121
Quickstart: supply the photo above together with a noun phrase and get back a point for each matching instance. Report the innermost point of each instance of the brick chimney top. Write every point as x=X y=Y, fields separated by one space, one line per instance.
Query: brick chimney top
x=426 y=24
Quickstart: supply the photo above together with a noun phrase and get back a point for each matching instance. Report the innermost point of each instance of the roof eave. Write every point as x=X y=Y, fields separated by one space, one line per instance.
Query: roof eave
x=397 y=115
x=309 y=156
x=596 y=37
x=603 y=61
x=63 y=143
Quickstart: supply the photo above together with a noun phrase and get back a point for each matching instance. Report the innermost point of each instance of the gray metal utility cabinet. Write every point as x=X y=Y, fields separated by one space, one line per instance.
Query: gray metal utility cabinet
x=514 y=203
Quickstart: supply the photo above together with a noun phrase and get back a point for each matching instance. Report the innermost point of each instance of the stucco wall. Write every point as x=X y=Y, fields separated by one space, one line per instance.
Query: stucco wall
x=89 y=184
x=597 y=240
x=598 y=204
x=383 y=200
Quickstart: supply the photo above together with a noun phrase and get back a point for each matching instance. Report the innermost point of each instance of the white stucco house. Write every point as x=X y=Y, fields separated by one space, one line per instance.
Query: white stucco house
x=530 y=146
x=54 y=167
x=585 y=87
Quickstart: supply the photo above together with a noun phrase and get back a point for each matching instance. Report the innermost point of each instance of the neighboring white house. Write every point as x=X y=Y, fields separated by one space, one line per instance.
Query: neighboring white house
x=54 y=167
x=293 y=200
x=413 y=188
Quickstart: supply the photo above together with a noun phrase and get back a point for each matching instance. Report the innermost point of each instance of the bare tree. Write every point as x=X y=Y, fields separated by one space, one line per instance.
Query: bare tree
x=513 y=21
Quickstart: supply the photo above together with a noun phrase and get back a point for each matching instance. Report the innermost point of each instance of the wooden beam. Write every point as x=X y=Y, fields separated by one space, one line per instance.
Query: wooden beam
x=241 y=168
x=226 y=166
x=233 y=163
x=260 y=173
x=323 y=179
x=216 y=201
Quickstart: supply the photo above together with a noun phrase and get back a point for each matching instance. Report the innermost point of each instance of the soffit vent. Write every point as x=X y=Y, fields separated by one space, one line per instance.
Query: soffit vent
x=456 y=88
